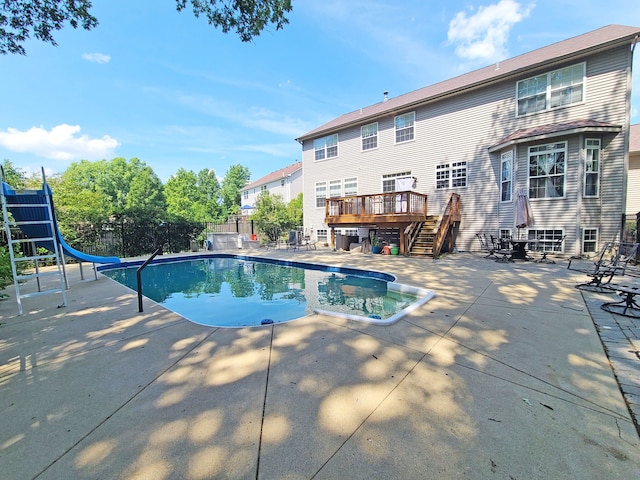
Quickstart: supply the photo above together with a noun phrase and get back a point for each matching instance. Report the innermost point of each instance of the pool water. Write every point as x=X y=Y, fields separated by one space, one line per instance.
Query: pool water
x=235 y=291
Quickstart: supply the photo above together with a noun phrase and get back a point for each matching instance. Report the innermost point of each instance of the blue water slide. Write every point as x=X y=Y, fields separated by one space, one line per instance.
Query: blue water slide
x=25 y=213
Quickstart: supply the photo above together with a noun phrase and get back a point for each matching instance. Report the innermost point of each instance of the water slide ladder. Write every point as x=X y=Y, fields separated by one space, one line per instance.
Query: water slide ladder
x=39 y=206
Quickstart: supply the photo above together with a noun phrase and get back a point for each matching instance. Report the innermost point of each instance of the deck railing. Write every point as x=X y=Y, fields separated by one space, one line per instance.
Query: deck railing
x=370 y=207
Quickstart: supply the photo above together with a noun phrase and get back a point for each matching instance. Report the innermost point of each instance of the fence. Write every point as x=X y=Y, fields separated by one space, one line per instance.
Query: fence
x=131 y=239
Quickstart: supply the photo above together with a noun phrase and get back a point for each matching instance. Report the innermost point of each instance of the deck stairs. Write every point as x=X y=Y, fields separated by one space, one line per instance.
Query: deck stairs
x=423 y=244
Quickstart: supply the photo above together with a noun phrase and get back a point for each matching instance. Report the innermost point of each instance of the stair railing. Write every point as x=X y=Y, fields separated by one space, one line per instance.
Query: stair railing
x=410 y=235
x=139 y=275
x=450 y=218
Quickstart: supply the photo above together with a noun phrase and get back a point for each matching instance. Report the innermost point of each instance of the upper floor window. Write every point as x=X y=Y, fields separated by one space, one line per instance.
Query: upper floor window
x=506 y=176
x=591 y=167
x=551 y=90
x=335 y=188
x=547 y=166
x=326 y=147
x=245 y=194
x=450 y=175
x=369 y=135
x=321 y=193
x=404 y=127
x=263 y=188
x=350 y=186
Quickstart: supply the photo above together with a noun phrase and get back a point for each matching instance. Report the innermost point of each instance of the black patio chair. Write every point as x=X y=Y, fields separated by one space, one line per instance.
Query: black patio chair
x=613 y=262
x=503 y=248
x=486 y=246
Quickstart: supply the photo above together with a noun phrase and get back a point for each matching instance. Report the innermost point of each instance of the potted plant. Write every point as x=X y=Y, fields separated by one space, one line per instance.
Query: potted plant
x=375 y=244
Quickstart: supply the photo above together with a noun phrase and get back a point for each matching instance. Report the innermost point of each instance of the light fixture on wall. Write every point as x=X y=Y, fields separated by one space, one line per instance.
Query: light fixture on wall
x=415 y=182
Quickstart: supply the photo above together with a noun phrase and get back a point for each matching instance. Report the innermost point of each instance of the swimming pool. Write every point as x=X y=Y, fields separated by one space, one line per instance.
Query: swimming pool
x=226 y=290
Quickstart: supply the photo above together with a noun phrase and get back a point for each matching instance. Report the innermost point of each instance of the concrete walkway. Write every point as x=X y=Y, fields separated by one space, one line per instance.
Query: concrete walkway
x=502 y=375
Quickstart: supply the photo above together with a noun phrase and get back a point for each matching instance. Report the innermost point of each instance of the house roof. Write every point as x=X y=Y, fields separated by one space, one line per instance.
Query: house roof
x=554 y=130
x=587 y=43
x=273 y=176
x=634 y=139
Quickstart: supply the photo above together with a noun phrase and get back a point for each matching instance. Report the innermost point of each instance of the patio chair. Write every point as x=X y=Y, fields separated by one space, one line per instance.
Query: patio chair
x=293 y=242
x=556 y=247
x=486 y=246
x=614 y=259
x=307 y=242
x=503 y=248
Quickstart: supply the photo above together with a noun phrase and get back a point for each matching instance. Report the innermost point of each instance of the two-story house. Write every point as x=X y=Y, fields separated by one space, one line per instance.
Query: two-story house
x=553 y=123
x=286 y=182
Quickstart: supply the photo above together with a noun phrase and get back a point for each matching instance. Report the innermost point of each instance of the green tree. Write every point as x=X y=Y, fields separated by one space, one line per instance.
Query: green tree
x=234 y=180
x=271 y=216
x=19 y=19
x=146 y=200
x=13 y=176
x=294 y=210
x=193 y=197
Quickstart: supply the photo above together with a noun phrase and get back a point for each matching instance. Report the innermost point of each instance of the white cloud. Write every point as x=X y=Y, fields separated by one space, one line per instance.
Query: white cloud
x=96 y=57
x=61 y=143
x=483 y=35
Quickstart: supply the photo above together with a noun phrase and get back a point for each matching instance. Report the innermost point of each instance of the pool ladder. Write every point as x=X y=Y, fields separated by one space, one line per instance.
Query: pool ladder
x=139 y=275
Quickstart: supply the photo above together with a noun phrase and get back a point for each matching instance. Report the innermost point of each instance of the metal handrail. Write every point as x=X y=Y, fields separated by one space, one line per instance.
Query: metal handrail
x=139 y=276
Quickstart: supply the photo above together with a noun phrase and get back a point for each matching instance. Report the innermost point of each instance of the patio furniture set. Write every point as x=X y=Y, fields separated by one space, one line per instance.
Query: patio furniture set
x=510 y=249
x=607 y=272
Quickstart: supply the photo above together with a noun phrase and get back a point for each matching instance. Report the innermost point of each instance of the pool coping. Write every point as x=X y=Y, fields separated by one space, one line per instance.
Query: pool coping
x=423 y=295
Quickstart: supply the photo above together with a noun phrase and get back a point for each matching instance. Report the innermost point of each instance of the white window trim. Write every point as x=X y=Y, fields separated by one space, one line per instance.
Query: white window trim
x=548 y=91
x=564 y=175
x=507 y=157
x=413 y=128
x=316 y=193
x=362 y=137
x=584 y=167
x=450 y=168
x=325 y=148
x=350 y=180
x=334 y=183
x=582 y=240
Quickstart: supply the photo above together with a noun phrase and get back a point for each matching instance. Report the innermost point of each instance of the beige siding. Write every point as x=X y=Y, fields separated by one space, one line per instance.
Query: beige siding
x=463 y=127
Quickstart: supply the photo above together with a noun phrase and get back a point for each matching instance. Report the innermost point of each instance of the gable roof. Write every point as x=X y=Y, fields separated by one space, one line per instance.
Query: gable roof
x=597 y=40
x=634 y=138
x=273 y=176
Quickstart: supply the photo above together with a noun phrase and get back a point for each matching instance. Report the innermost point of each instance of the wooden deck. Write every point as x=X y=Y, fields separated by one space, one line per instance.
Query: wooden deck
x=388 y=209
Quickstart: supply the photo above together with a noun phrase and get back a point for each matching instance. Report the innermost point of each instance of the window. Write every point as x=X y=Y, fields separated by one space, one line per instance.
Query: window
x=282 y=182
x=591 y=167
x=404 y=127
x=506 y=176
x=547 y=170
x=321 y=235
x=350 y=232
x=390 y=181
x=245 y=194
x=369 y=135
x=551 y=90
x=450 y=175
x=326 y=147
x=335 y=188
x=589 y=240
x=263 y=188
x=321 y=193
x=350 y=187
x=546 y=240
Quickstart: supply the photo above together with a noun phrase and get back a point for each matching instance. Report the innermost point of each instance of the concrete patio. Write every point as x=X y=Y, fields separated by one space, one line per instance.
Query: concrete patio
x=502 y=375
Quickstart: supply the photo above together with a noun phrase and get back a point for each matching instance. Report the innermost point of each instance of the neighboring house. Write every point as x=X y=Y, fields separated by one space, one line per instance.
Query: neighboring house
x=286 y=182
x=554 y=122
x=633 y=182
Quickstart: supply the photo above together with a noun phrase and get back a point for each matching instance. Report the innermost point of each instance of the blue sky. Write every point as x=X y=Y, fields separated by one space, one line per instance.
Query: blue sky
x=174 y=92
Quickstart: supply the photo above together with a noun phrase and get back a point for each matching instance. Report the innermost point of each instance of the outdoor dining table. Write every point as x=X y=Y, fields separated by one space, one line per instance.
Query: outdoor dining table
x=519 y=249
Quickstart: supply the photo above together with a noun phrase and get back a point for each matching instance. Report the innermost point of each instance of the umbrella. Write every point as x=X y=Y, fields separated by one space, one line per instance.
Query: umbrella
x=524 y=216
